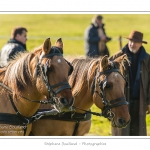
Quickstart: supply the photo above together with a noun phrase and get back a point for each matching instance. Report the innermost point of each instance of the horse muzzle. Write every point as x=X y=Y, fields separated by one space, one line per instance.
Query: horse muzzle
x=121 y=123
x=64 y=105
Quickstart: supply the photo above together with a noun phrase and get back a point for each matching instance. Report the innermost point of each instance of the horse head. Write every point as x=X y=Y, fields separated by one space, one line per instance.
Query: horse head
x=51 y=73
x=109 y=87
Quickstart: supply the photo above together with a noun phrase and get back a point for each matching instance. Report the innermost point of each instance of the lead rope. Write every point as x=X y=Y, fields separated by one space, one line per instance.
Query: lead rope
x=91 y=112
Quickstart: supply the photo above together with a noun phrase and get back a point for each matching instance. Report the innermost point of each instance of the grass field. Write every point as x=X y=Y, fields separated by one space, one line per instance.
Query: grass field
x=71 y=28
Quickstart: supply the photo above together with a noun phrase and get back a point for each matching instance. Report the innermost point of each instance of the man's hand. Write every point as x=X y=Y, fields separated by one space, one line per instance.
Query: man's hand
x=103 y=38
x=148 y=109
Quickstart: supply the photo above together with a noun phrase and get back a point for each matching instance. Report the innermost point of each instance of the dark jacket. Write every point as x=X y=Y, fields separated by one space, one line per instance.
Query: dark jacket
x=92 y=39
x=142 y=78
x=9 y=50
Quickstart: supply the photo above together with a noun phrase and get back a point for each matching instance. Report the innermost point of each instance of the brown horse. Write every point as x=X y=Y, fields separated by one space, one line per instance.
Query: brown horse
x=94 y=81
x=30 y=79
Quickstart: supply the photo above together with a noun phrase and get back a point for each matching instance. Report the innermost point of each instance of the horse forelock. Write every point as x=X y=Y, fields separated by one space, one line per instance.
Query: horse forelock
x=18 y=72
x=121 y=63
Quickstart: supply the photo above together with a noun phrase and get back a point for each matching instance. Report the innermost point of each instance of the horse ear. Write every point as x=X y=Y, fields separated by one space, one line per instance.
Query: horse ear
x=122 y=59
x=104 y=63
x=46 y=46
x=59 y=44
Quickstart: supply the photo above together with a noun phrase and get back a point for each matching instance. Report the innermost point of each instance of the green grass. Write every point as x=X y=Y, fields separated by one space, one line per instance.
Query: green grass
x=101 y=126
x=71 y=28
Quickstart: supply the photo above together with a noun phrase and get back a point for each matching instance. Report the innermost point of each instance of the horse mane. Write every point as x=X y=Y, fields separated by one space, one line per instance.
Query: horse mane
x=17 y=73
x=83 y=69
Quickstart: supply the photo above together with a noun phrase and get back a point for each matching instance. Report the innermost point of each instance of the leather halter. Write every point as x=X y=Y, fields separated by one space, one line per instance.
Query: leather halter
x=108 y=105
x=41 y=70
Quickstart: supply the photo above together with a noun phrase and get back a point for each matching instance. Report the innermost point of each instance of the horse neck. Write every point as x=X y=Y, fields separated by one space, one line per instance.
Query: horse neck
x=84 y=98
x=26 y=90
x=26 y=108
x=24 y=104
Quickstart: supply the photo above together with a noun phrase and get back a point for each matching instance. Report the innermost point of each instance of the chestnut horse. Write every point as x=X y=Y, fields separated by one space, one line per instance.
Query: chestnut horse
x=27 y=81
x=94 y=81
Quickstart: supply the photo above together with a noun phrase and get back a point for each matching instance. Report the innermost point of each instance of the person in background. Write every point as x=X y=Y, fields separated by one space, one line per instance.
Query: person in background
x=138 y=90
x=16 y=44
x=96 y=38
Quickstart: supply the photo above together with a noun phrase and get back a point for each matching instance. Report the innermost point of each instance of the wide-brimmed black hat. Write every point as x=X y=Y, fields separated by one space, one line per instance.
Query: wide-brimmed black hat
x=136 y=36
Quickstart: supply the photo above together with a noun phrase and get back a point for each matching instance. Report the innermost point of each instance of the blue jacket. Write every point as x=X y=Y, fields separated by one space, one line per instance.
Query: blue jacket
x=92 y=39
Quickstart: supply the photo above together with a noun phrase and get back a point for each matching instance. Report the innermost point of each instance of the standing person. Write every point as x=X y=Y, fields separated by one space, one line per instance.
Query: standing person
x=16 y=44
x=96 y=38
x=138 y=91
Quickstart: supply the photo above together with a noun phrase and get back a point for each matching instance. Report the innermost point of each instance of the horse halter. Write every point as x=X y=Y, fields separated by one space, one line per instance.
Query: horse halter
x=108 y=105
x=41 y=70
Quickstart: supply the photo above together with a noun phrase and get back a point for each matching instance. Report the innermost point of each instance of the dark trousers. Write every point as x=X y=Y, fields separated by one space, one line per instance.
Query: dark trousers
x=134 y=113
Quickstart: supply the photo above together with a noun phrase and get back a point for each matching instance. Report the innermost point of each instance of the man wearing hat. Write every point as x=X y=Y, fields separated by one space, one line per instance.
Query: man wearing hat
x=95 y=38
x=138 y=89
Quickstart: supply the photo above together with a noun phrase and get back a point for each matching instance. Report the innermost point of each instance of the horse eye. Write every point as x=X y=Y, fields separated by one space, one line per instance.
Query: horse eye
x=108 y=85
x=49 y=69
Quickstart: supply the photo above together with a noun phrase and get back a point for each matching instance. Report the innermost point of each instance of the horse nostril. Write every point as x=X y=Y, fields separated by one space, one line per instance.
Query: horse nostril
x=64 y=101
x=121 y=121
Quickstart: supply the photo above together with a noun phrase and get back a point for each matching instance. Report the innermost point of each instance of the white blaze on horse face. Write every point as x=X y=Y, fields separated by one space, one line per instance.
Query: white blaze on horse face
x=116 y=74
x=59 y=61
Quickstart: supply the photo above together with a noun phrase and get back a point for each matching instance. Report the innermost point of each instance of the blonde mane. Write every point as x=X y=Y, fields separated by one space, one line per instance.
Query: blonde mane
x=83 y=69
